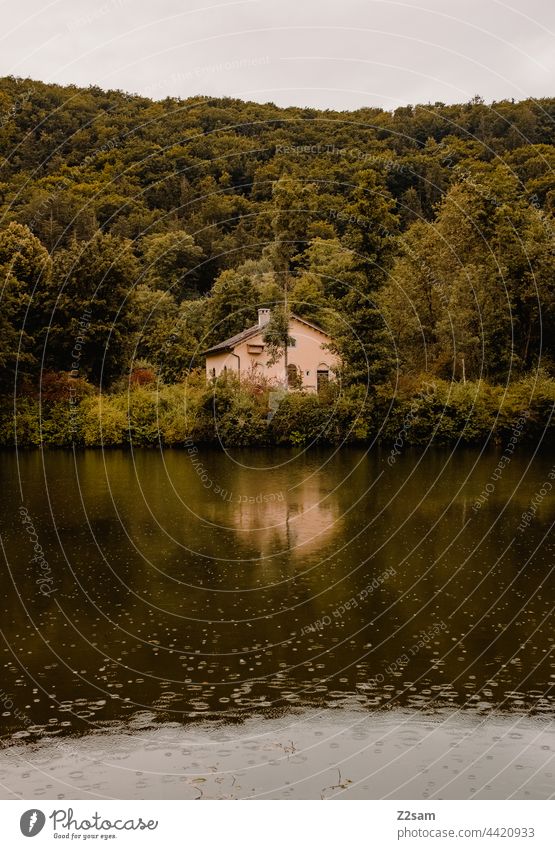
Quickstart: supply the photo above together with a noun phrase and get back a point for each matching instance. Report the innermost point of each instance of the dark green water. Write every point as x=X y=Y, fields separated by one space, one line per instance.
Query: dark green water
x=268 y=582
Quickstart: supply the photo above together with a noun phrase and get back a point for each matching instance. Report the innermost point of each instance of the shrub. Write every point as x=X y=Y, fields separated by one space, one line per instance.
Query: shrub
x=62 y=423
x=173 y=425
x=244 y=423
x=23 y=428
x=142 y=414
x=299 y=420
x=104 y=421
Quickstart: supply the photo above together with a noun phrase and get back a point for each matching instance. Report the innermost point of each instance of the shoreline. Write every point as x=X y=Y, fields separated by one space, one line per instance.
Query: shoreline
x=235 y=415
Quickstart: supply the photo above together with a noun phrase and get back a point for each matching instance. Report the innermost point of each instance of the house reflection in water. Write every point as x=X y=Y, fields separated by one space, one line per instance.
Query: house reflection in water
x=301 y=521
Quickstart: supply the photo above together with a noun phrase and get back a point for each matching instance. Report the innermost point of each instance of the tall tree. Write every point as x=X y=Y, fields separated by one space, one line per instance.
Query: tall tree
x=277 y=338
x=25 y=271
x=171 y=260
x=90 y=324
x=232 y=305
x=477 y=284
x=361 y=337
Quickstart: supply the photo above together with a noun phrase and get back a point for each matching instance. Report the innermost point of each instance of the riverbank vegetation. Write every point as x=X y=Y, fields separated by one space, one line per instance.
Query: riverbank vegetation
x=134 y=234
x=421 y=410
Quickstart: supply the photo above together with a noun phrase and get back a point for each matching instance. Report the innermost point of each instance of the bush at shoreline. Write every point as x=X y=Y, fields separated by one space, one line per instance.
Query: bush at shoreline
x=420 y=410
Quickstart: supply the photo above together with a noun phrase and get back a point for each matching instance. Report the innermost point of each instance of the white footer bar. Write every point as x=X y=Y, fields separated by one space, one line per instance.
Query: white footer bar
x=279 y=824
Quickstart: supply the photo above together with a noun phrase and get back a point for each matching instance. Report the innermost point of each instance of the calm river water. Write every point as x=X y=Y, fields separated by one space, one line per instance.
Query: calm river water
x=276 y=624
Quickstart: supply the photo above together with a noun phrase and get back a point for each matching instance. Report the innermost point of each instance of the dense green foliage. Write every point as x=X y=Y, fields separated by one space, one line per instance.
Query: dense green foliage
x=232 y=414
x=135 y=234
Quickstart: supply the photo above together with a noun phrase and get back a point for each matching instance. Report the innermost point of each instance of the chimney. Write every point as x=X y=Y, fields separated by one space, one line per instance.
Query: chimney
x=263 y=317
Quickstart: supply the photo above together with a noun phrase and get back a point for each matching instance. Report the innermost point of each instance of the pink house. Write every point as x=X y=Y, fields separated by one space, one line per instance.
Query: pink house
x=310 y=364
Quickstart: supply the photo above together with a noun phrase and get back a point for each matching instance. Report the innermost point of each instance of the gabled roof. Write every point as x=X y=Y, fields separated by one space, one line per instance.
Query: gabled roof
x=230 y=343
x=233 y=341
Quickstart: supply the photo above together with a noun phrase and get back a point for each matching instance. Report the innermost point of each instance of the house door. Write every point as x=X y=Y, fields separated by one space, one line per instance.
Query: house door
x=322 y=379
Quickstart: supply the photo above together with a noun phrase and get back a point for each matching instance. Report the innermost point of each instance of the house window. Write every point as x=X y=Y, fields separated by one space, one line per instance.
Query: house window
x=292 y=342
x=213 y=372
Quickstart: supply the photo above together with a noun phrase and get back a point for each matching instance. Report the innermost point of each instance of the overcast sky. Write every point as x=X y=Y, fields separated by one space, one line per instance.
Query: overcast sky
x=339 y=55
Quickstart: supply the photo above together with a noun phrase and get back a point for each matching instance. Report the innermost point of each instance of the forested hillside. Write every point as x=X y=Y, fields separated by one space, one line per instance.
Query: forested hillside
x=146 y=231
